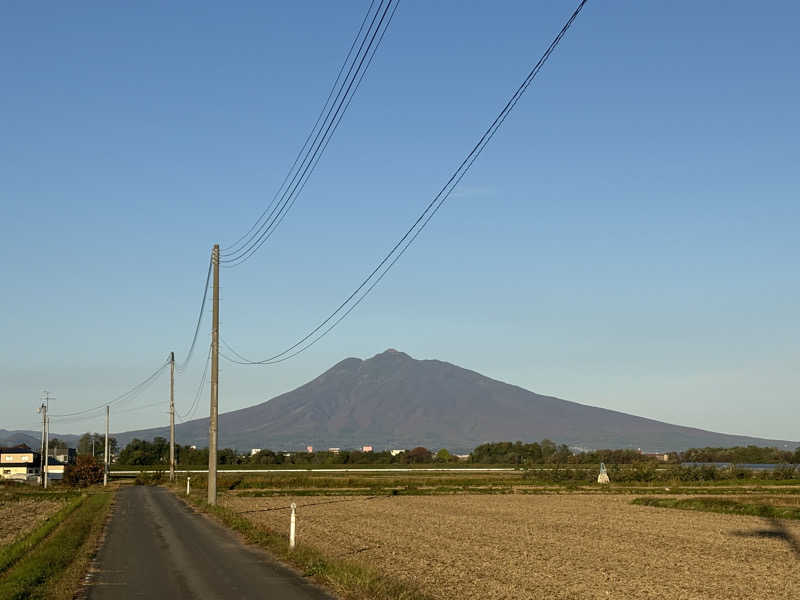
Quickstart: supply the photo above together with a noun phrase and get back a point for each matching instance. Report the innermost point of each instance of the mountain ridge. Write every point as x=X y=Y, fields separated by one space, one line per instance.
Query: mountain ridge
x=392 y=400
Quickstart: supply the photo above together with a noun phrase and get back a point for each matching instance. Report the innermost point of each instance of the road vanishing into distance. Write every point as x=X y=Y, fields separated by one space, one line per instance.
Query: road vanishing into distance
x=158 y=547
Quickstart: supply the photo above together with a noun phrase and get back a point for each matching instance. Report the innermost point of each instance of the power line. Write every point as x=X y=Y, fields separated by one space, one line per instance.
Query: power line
x=241 y=252
x=282 y=215
x=237 y=243
x=131 y=393
x=314 y=149
x=389 y=260
x=182 y=366
x=197 y=395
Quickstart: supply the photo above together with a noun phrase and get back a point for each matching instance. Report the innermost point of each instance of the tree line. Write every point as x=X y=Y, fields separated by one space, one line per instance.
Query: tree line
x=156 y=452
x=547 y=452
x=141 y=452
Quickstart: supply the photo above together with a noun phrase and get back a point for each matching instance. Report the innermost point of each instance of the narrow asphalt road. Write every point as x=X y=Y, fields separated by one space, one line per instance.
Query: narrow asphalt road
x=157 y=547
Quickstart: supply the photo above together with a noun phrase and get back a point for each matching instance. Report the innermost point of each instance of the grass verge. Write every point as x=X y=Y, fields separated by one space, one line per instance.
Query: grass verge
x=721 y=505
x=11 y=553
x=348 y=579
x=54 y=567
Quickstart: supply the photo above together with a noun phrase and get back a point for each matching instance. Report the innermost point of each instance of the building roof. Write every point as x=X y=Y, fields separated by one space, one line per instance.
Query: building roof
x=19 y=449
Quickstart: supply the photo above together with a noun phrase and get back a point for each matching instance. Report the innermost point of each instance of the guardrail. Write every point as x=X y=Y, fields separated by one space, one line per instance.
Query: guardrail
x=386 y=470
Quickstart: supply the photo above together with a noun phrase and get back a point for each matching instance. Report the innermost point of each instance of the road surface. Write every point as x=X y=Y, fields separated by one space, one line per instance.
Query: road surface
x=157 y=547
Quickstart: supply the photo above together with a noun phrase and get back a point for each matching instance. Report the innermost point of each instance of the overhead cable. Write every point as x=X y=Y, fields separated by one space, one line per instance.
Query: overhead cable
x=389 y=260
x=182 y=366
x=309 y=155
x=199 y=392
x=130 y=394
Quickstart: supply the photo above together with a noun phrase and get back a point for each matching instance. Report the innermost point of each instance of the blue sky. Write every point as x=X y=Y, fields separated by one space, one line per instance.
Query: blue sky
x=628 y=240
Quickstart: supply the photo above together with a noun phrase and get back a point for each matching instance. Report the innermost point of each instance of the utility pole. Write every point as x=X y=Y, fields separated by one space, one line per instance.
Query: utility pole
x=212 y=423
x=46 y=448
x=172 y=416
x=43 y=457
x=105 y=459
x=43 y=410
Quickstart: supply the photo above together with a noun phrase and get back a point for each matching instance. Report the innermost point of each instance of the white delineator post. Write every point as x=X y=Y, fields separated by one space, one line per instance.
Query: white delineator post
x=187 y=484
x=292 y=526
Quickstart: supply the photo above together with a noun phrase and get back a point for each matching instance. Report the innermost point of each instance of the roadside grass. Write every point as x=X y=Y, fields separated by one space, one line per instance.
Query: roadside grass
x=52 y=565
x=12 y=552
x=24 y=491
x=348 y=579
x=723 y=505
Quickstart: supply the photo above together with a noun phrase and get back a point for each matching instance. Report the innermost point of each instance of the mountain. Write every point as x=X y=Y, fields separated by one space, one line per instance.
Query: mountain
x=32 y=438
x=394 y=401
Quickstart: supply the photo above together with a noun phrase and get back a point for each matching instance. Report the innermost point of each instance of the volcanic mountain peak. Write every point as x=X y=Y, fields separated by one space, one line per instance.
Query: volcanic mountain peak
x=392 y=400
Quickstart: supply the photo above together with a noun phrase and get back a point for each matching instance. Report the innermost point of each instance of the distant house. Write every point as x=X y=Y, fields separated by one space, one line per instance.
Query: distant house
x=67 y=457
x=662 y=456
x=395 y=452
x=309 y=449
x=366 y=448
x=19 y=462
x=55 y=468
x=334 y=450
x=254 y=451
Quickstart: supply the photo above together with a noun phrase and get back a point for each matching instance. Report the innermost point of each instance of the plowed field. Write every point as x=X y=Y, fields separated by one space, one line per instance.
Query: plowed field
x=21 y=516
x=559 y=546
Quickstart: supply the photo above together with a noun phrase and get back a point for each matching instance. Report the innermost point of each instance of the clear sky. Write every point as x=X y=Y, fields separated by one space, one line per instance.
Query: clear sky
x=628 y=240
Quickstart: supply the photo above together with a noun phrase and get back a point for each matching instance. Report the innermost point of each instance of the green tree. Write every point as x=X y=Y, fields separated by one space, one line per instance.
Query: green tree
x=443 y=456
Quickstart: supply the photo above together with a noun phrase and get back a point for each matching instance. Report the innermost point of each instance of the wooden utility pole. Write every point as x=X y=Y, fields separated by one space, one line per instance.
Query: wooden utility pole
x=172 y=416
x=212 y=423
x=105 y=459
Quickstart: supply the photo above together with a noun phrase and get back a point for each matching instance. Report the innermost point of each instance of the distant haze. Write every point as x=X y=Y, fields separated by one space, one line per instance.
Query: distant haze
x=394 y=401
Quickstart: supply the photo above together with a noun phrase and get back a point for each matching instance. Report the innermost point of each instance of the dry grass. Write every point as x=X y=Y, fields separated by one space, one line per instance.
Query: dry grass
x=543 y=546
x=20 y=517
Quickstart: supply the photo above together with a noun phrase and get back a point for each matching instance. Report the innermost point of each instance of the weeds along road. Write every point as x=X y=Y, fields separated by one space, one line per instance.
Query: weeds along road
x=157 y=547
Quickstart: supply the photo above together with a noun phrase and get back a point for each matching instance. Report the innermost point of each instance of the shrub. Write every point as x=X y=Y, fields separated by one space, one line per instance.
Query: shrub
x=783 y=472
x=85 y=472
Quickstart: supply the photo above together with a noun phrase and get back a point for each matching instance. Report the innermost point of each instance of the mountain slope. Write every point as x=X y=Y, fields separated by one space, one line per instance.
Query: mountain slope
x=394 y=401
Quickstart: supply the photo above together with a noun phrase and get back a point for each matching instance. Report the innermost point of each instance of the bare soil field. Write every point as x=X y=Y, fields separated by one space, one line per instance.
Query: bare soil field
x=546 y=546
x=19 y=517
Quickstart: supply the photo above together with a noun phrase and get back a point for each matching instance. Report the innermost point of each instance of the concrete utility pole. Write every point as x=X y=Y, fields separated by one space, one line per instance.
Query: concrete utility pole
x=212 y=422
x=46 y=448
x=105 y=459
x=43 y=412
x=43 y=457
x=172 y=416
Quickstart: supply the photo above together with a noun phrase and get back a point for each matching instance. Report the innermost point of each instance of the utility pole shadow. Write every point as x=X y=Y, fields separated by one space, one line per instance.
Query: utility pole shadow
x=777 y=531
